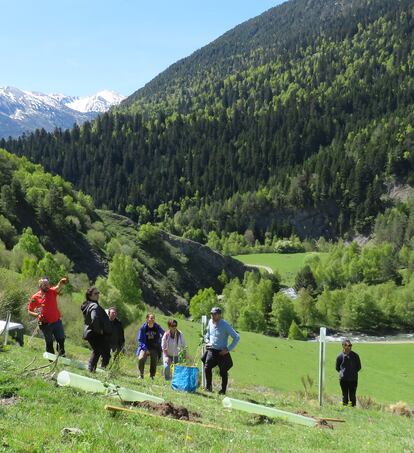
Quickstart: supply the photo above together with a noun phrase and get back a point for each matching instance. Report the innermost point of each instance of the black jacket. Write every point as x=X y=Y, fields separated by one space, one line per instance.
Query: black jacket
x=96 y=320
x=348 y=366
x=117 y=339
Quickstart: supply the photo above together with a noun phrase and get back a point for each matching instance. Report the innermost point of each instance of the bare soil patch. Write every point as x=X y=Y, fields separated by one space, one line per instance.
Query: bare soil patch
x=8 y=401
x=169 y=410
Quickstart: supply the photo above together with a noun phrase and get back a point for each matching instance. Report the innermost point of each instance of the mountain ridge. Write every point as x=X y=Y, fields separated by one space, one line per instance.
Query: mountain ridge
x=23 y=111
x=302 y=118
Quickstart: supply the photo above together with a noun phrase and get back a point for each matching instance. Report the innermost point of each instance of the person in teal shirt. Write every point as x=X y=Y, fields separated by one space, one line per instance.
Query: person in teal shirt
x=217 y=351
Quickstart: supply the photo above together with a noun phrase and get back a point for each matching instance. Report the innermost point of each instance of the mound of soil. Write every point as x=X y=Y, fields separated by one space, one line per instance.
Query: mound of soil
x=323 y=424
x=8 y=401
x=169 y=410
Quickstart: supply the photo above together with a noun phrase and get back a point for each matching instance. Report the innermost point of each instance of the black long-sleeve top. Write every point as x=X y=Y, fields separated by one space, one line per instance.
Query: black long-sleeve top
x=348 y=366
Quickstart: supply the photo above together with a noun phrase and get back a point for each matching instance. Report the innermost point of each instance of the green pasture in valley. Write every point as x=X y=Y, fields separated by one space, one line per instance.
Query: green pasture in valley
x=285 y=264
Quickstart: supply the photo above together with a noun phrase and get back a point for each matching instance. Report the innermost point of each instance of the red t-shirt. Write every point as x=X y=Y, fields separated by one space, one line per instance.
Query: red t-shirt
x=48 y=304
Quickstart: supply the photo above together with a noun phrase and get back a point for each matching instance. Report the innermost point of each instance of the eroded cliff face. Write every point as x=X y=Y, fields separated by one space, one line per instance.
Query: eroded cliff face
x=173 y=268
x=195 y=266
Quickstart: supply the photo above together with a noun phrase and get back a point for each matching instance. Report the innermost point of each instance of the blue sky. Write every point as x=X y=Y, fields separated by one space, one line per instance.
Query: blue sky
x=78 y=47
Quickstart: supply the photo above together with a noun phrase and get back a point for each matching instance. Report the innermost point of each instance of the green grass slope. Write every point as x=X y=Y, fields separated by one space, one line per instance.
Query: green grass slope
x=280 y=364
x=285 y=264
x=33 y=420
x=261 y=361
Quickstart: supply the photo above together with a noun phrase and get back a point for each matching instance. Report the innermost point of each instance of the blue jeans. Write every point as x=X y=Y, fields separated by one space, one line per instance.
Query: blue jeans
x=54 y=329
x=167 y=365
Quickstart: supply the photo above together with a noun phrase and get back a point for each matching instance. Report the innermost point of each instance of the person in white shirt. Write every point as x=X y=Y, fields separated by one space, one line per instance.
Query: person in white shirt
x=172 y=344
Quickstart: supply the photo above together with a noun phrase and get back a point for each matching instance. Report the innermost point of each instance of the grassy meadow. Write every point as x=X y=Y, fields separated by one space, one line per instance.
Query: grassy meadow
x=279 y=364
x=266 y=370
x=285 y=264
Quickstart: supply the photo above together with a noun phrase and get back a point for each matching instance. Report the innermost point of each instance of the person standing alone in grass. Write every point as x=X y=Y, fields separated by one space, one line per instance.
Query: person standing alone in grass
x=348 y=364
x=218 y=353
x=149 y=344
x=43 y=306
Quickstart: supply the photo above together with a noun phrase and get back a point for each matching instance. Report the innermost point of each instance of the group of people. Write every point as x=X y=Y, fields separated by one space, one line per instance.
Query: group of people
x=153 y=342
x=103 y=330
x=105 y=334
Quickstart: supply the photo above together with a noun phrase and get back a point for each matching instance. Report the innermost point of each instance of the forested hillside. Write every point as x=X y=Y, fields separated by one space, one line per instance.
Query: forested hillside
x=294 y=122
x=48 y=228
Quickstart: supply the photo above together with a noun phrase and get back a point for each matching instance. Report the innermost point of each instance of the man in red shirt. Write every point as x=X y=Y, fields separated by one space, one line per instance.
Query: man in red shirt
x=43 y=306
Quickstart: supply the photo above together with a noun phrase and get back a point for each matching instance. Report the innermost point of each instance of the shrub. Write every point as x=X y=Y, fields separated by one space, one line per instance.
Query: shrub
x=202 y=303
x=295 y=333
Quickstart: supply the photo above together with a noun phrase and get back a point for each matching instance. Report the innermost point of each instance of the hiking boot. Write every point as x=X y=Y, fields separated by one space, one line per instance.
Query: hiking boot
x=222 y=392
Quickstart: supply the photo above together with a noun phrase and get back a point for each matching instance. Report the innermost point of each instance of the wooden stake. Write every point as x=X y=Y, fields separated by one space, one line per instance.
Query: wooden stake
x=327 y=419
x=135 y=411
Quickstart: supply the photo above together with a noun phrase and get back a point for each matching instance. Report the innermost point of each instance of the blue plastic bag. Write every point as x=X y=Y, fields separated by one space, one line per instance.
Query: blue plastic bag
x=185 y=378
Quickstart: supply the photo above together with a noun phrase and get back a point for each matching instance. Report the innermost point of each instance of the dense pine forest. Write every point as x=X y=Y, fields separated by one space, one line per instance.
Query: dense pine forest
x=297 y=121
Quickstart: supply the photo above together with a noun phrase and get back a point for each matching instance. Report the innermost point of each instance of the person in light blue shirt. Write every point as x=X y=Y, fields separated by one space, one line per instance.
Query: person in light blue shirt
x=217 y=351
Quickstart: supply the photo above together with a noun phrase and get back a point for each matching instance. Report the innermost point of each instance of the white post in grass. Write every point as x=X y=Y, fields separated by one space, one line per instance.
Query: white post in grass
x=6 y=328
x=322 y=345
x=203 y=349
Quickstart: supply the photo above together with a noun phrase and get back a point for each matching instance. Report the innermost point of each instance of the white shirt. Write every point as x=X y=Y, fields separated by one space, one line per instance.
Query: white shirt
x=172 y=345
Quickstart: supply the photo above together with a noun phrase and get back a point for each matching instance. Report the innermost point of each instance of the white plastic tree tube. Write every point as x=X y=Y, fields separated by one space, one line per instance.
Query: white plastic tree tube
x=77 y=381
x=231 y=403
x=65 y=378
x=70 y=362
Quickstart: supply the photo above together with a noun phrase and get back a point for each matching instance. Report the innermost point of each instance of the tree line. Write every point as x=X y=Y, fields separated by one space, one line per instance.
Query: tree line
x=321 y=129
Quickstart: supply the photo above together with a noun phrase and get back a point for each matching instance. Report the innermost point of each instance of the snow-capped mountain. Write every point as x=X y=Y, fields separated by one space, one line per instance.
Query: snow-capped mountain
x=99 y=102
x=24 y=111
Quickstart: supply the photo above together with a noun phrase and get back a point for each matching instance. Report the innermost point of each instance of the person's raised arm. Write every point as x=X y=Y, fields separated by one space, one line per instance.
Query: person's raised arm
x=62 y=282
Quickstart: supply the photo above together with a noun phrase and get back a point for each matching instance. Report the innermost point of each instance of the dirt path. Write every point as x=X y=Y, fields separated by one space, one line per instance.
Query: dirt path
x=260 y=266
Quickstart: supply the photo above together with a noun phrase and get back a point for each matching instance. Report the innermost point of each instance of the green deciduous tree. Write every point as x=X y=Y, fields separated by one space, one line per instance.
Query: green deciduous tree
x=283 y=313
x=124 y=276
x=202 y=303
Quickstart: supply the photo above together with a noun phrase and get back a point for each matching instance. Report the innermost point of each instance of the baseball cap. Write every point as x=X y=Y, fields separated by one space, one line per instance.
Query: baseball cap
x=215 y=310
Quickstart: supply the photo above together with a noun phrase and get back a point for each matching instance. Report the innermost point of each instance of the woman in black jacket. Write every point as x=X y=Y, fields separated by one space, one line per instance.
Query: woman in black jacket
x=348 y=364
x=97 y=330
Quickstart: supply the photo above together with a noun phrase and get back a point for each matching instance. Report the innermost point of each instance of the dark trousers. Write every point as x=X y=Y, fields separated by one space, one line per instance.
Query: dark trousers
x=54 y=330
x=100 y=348
x=348 y=391
x=211 y=359
x=154 y=356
